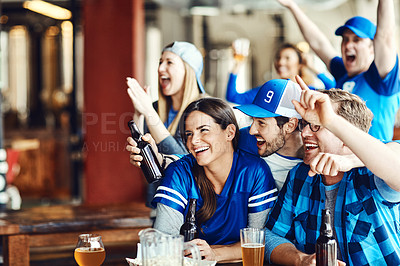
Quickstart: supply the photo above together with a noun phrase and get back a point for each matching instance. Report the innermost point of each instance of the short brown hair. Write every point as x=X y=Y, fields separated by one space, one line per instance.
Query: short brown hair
x=351 y=108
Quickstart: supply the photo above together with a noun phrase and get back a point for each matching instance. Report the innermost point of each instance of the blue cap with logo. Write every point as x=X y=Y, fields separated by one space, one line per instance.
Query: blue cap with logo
x=361 y=27
x=274 y=99
x=191 y=55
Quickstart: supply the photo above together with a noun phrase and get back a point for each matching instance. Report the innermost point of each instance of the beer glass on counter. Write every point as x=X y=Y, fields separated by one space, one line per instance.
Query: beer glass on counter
x=253 y=244
x=90 y=250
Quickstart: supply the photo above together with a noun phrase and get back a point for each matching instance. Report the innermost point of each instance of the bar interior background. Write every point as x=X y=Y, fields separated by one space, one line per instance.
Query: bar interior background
x=64 y=105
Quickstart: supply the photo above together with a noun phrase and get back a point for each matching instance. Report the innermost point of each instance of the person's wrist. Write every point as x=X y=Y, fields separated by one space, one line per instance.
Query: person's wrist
x=218 y=256
x=299 y=258
x=161 y=159
x=151 y=117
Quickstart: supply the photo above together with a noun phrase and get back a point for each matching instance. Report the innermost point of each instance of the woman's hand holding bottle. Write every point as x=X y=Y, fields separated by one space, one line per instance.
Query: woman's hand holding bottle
x=135 y=158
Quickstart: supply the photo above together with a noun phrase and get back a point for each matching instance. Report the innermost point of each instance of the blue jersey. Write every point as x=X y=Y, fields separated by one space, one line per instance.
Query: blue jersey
x=382 y=96
x=249 y=188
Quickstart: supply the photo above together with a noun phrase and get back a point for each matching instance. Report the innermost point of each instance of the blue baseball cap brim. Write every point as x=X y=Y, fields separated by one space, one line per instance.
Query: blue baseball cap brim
x=255 y=111
x=361 y=27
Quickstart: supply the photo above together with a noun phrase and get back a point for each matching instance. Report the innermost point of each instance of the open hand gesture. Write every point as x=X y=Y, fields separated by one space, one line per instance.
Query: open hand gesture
x=314 y=107
x=139 y=97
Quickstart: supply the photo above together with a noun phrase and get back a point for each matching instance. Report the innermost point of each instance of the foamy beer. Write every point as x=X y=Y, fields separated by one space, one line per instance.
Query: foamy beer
x=90 y=250
x=253 y=244
x=240 y=48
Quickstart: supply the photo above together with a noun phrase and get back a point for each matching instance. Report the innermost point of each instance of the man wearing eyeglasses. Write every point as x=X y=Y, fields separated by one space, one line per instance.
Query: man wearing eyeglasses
x=275 y=132
x=365 y=201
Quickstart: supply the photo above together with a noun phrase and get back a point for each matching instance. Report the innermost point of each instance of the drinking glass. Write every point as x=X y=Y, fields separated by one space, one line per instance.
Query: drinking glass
x=159 y=249
x=241 y=48
x=90 y=250
x=253 y=244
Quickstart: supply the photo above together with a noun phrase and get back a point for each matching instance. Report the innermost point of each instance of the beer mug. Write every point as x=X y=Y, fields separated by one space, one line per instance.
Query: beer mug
x=253 y=244
x=241 y=48
x=167 y=250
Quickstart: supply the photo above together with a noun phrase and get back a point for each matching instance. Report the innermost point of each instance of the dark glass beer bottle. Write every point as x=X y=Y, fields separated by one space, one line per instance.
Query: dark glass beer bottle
x=150 y=166
x=189 y=227
x=326 y=248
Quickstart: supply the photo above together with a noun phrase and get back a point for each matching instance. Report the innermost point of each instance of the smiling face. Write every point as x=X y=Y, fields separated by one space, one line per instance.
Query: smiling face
x=357 y=53
x=287 y=63
x=270 y=137
x=171 y=74
x=321 y=141
x=206 y=140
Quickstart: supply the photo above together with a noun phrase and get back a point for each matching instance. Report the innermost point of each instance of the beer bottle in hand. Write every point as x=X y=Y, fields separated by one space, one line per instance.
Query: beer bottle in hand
x=326 y=243
x=150 y=166
x=189 y=227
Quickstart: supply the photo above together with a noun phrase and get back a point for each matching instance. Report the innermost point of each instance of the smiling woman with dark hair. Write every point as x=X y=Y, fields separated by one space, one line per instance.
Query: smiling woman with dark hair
x=233 y=189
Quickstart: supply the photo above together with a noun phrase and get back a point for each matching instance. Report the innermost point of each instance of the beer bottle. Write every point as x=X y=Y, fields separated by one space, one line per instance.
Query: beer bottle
x=189 y=227
x=150 y=166
x=326 y=243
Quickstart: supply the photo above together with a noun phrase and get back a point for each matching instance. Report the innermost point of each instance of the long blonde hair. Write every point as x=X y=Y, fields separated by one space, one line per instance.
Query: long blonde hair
x=191 y=93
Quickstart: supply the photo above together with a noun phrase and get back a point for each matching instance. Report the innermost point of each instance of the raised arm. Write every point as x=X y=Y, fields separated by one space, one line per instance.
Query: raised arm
x=143 y=105
x=384 y=41
x=311 y=33
x=383 y=160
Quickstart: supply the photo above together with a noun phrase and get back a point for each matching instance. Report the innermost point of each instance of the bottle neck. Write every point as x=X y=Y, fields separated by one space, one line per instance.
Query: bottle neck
x=326 y=226
x=191 y=215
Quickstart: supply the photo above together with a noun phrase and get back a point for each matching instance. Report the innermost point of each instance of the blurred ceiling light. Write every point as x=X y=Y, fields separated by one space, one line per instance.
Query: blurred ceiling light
x=204 y=11
x=48 y=9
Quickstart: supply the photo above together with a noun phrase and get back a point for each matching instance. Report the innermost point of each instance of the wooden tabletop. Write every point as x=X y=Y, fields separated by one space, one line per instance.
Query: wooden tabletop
x=65 y=218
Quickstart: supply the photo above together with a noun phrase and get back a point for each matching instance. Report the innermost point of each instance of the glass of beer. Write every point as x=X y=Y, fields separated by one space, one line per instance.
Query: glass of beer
x=90 y=250
x=240 y=48
x=253 y=244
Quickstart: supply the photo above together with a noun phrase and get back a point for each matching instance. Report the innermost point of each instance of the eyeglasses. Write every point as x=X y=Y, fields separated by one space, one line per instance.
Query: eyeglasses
x=303 y=123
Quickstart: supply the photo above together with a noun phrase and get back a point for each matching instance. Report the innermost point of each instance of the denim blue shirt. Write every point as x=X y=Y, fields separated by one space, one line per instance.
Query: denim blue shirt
x=366 y=220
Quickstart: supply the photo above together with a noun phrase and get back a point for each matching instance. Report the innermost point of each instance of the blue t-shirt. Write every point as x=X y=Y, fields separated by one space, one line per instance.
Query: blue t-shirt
x=248 y=189
x=382 y=96
x=171 y=116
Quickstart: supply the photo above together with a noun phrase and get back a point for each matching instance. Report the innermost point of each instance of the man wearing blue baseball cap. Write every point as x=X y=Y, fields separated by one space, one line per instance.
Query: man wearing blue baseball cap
x=275 y=135
x=369 y=66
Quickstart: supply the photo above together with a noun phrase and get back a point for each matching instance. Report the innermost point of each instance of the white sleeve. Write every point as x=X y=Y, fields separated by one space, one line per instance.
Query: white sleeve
x=168 y=220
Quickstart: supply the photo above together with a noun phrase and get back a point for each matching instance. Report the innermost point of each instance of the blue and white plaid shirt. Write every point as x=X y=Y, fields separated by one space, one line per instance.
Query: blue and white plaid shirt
x=366 y=217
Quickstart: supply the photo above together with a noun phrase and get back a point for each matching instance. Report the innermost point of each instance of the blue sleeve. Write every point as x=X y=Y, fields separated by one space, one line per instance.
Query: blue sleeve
x=247 y=142
x=387 y=192
x=280 y=219
x=271 y=242
x=387 y=86
x=231 y=92
x=174 y=188
x=240 y=98
x=264 y=192
x=328 y=83
x=172 y=145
